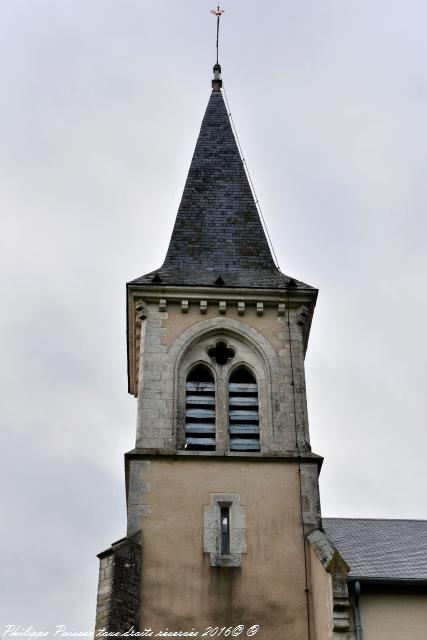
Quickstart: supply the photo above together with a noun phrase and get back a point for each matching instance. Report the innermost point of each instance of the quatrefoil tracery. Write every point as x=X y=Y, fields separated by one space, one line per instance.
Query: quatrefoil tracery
x=221 y=352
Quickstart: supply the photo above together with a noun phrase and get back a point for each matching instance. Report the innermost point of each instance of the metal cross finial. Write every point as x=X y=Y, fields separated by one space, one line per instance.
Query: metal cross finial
x=218 y=13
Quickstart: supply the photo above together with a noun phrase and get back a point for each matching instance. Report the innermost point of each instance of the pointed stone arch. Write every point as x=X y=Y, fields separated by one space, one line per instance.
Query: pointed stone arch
x=252 y=349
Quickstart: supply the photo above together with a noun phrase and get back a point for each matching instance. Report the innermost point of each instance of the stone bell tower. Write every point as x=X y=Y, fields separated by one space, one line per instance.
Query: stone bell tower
x=222 y=486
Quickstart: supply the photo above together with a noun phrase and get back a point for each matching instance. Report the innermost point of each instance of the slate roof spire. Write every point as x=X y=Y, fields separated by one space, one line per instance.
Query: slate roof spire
x=218 y=236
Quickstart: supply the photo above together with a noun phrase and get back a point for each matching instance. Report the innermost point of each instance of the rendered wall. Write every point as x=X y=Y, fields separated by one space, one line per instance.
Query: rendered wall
x=393 y=616
x=321 y=591
x=179 y=587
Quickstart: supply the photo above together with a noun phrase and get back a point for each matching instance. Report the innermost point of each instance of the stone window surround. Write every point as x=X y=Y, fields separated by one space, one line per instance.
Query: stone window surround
x=277 y=419
x=160 y=417
x=212 y=529
x=245 y=357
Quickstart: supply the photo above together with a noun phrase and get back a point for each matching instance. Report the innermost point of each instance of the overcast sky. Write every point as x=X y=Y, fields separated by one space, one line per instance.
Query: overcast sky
x=101 y=103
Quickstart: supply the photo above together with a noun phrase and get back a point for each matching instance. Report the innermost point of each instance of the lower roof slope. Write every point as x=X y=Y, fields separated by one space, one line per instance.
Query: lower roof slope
x=389 y=550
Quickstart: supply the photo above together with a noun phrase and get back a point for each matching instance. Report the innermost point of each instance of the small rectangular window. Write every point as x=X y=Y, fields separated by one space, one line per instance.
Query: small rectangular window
x=225 y=531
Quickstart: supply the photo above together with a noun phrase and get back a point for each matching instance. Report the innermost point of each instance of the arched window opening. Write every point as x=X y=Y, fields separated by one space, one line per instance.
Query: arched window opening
x=243 y=411
x=200 y=410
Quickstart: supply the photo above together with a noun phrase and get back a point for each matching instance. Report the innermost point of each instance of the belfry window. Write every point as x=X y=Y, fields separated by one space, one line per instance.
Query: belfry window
x=200 y=410
x=243 y=411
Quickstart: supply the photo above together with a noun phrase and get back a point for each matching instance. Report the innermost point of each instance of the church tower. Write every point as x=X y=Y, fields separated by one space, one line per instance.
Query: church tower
x=222 y=486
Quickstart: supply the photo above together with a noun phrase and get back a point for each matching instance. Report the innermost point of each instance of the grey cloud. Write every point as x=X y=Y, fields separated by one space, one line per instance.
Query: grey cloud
x=101 y=106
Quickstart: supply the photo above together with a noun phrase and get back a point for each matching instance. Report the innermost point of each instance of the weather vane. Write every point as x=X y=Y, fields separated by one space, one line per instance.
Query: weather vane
x=218 y=13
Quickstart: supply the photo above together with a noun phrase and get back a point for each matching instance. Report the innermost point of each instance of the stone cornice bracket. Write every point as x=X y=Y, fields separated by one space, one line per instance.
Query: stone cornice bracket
x=302 y=318
x=140 y=315
x=140 y=311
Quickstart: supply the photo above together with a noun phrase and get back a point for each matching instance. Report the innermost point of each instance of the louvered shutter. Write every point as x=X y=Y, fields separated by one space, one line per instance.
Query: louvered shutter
x=243 y=413
x=200 y=416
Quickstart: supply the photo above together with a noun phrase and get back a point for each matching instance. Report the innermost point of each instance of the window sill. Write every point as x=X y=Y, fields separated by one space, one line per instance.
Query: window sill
x=231 y=560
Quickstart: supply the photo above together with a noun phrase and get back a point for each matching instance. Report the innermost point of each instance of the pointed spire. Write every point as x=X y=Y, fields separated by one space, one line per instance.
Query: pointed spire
x=218 y=229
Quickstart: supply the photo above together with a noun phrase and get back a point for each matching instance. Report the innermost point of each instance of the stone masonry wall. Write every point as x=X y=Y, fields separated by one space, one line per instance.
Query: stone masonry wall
x=105 y=583
x=282 y=346
x=119 y=584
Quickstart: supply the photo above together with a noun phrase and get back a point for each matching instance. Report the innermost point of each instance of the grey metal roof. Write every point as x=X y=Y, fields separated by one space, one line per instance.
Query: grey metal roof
x=218 y=232
x=381 y=549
